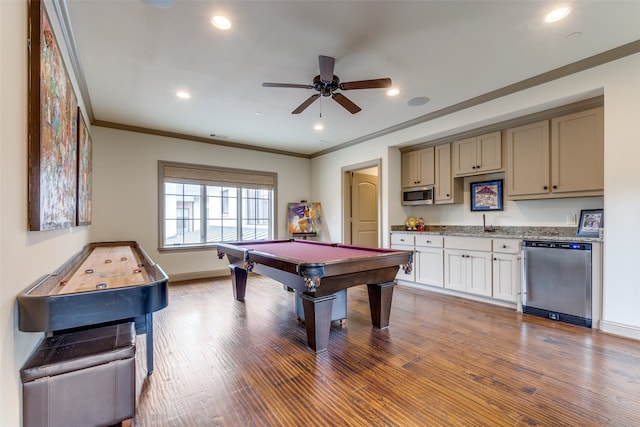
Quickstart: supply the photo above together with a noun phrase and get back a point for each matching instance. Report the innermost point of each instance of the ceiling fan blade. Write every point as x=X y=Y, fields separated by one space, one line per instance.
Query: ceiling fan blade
x=327 y=64
x=287 y=85
x=367 y=84
x=305 y=104
x=346 y=103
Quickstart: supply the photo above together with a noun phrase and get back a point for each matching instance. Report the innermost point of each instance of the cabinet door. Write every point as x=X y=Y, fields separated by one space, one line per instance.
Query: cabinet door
x=455 y=269
x=426 y=160
x=506 y=277
x=410 y=169
x=528 y=159
x=489 y=152
x=429 y=266
x=479 y=273
x=463 y=156
x=444 y=185
x=577 y=152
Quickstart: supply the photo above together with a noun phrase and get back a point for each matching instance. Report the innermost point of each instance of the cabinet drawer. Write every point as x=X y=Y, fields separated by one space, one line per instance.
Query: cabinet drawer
x=507 y=246
x=402 y=239
x=430 y=241
x=468 y=243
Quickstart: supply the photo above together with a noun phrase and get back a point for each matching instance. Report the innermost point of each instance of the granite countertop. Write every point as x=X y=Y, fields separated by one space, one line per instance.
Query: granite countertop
x=525 y=233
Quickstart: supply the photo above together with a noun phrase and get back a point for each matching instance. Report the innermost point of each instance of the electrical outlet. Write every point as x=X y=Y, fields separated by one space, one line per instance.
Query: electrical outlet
x=571 y=219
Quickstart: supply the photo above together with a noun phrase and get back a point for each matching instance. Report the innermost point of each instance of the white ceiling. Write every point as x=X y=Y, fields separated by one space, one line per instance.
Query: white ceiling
x=134 y=57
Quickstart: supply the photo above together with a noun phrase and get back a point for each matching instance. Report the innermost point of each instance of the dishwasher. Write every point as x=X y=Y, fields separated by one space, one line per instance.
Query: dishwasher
x=557 y=281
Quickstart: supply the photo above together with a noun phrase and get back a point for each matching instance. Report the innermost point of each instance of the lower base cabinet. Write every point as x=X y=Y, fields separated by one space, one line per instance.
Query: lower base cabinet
x=485 y=267
x=468 y=271
x=429 y=257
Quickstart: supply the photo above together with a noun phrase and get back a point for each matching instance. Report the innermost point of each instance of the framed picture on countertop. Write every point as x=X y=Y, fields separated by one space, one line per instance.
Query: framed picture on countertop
x=591 y=221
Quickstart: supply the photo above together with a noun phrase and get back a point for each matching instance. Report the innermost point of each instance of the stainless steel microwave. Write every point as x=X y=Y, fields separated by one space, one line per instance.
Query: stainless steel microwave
x=417 y=196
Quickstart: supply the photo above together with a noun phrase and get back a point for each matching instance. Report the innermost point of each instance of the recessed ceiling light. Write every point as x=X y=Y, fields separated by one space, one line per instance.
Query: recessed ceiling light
x=393 y=92
x=221 y=22
x=557 y=14
x=183 y=94
x=318 y=126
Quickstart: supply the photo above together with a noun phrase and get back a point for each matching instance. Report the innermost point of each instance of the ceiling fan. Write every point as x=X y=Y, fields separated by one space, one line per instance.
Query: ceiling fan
x=326 y=84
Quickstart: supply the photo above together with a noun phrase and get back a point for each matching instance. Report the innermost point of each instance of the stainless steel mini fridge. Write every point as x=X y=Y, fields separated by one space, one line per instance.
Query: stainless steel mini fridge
x=557 y=281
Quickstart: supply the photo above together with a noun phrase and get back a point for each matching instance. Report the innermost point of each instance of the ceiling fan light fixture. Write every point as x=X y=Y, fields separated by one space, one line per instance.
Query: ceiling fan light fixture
x=557 y=14
x=318 y=126
x=221 y=22
x=183 y=94
x=393 y=92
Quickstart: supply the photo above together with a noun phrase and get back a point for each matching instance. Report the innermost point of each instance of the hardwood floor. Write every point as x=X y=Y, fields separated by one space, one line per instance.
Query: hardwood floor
x=443 y=361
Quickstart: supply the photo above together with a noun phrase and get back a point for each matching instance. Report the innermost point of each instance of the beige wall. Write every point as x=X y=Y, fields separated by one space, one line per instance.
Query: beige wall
x=125 y=190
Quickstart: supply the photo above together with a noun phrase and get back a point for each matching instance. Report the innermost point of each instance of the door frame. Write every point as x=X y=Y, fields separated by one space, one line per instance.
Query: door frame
x=346 y=197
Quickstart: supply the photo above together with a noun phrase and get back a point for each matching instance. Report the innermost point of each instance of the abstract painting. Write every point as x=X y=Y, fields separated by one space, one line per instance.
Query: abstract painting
x=85 y=146
x=53 y=127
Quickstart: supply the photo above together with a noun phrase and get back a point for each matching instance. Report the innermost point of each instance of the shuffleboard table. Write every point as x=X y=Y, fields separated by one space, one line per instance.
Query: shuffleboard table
x=105 y=282
x=317 y=270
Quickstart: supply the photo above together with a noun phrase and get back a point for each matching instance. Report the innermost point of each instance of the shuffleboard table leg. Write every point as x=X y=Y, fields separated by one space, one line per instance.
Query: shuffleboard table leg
x=317 y=316
x=239 y=282
x=149 y=320
x=380 y=297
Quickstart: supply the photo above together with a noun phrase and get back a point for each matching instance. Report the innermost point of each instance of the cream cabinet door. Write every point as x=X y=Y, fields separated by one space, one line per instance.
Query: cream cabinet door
x=479 y=273
x=418 y=168
x=577 y=152
x=506 y=277
x=528 y=160
x=429 y=266
x=464 y=156
x=478 y=154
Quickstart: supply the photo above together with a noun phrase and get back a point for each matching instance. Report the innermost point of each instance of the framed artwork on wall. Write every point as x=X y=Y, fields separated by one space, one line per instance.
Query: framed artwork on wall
x=53 y=127
x=487 y=196
x=85 y=147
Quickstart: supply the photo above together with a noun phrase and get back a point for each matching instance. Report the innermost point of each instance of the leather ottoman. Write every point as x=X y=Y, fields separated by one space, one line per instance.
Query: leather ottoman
x=83 y=378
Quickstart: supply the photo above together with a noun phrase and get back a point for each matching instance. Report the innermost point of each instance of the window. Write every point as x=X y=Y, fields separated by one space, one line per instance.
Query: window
x=203 y=205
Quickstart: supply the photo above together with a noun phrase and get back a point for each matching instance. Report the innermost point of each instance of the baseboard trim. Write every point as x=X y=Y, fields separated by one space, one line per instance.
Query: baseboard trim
x=614 y=328
x=196 y=275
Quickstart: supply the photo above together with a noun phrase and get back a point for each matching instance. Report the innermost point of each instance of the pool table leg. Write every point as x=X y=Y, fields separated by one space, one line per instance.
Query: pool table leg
x=239 y=282
x=317 y=318
x=380 y=296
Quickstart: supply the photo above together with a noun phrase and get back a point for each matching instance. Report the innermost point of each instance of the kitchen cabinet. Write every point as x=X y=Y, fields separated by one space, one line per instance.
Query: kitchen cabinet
x=467 y=265
x=477 y=155
x=429 y=260
x=405 y=242
x=418 y=169
x=447 y=189
x=506 y=270
x=562 y=157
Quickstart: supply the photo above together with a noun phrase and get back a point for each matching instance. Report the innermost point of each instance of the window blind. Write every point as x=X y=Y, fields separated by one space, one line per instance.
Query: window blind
x=207 y=175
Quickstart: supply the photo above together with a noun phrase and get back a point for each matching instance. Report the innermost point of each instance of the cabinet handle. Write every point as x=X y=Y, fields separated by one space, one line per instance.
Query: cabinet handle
x=448 y=195
x=554 y=187
x=428 y=241
x=504 y=246
x=495 y=259
x=545 y=187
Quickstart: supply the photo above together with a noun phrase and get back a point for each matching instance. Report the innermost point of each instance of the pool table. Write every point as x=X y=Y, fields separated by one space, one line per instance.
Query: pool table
x=317 y=270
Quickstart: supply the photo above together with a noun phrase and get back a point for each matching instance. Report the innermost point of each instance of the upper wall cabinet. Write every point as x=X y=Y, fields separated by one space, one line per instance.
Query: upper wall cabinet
x=477 y=155
x=558 y=158
x=447 y=189
x=418 y=168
